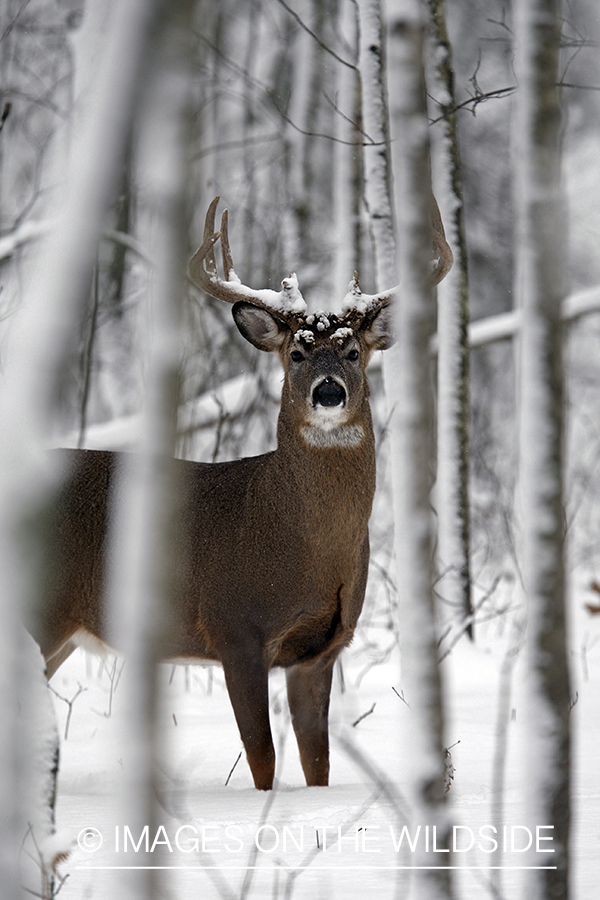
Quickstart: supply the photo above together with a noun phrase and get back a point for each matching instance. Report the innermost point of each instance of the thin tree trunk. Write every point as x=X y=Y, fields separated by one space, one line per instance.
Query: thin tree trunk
x=377 y=167
x=408 y=369
x=250 y=253
x=541 y=288
x=452 y=487
x=345 y=195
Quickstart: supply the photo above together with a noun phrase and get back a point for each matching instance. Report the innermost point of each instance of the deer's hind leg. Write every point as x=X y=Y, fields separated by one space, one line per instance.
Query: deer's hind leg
x=308 y=690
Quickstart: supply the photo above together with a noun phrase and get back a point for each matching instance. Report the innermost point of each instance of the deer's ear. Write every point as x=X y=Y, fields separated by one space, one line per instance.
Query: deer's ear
x=377 y=329
x=263 y=329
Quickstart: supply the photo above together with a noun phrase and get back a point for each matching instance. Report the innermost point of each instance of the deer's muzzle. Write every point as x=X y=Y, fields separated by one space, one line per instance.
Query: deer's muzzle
x=329 y=393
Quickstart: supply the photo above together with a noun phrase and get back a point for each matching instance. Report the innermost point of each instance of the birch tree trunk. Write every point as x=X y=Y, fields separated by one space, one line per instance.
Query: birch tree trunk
x=346 y=150
x=408 y=370
x=541 y=288
x=375 y=112
x=452 y=485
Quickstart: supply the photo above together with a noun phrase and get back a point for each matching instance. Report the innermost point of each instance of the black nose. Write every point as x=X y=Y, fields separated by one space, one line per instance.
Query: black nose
x=329 y=393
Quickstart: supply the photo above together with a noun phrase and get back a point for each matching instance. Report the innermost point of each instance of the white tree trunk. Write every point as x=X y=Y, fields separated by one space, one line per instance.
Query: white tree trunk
x=452 y=483
x=541 y=289
x=39 y=342
x=375 y=111
x=143 y=559
x=408 y=370
x=345 y=150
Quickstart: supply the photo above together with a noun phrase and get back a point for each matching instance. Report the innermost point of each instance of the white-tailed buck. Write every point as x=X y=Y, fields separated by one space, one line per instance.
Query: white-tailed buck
x=273 y=550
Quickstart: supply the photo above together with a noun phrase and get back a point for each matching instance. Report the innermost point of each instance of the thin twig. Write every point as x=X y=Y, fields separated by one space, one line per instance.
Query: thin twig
x=316 y=37
x=273 y=98
x=114 y=678
x=233 y=767
x=468 y=621
x=401 y=696
x=87 y=358
x=69 y=703
x=476 y=99
x=364 y=716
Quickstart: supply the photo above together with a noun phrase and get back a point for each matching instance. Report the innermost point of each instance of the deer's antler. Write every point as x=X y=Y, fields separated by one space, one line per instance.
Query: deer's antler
x=289 y=301
x=203 y=272
x=443 y=253
x=442 y=260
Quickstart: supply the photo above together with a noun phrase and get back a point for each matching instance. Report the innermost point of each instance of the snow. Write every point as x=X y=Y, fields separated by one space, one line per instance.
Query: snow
x=364 y=303
x=202 y=738
x=507 y=325
x=303 y=334
x=287 y=300
x=340 y=335
x=202 y=745
x=229 y=399
x=37 y=746
x=323 y=322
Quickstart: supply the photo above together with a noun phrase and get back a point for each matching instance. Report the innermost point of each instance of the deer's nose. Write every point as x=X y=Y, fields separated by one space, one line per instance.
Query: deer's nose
x=329 y=393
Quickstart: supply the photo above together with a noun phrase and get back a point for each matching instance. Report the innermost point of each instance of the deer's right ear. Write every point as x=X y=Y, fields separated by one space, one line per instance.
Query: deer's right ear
x=265 y=330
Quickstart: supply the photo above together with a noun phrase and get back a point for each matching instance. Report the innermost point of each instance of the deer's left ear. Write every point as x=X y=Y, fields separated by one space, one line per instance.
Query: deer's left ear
x=377 y=329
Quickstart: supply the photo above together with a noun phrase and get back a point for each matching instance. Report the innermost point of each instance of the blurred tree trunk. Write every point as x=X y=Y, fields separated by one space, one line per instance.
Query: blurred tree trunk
x=44 y=331
x=250 y=253
x=143 y=557
x=541 y=288
x=35 y=85
x=408 y=368
x=36 y=91
x=348 y=158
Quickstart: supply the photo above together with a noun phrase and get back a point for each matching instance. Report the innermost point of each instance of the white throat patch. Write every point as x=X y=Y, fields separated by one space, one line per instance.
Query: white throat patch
x=340 y=436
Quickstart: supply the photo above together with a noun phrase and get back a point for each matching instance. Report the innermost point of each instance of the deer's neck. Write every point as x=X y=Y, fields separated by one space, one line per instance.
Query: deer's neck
x=334 y=470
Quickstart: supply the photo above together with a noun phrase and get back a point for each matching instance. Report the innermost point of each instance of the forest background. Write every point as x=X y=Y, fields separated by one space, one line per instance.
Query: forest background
x=277 y=129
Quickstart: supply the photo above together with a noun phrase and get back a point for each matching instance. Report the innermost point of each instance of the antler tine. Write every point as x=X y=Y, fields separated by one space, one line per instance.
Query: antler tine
x=202 y=267
x=225 y=248
x=446 y=258
x=209 y=230
x=197 y=272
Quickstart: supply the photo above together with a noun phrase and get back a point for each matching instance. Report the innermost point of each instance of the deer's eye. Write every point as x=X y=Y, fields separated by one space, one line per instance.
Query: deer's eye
x=353 y=355
x=296 y=356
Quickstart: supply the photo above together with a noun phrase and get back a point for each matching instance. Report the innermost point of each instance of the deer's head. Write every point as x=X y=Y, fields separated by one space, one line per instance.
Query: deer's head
x=324 y=355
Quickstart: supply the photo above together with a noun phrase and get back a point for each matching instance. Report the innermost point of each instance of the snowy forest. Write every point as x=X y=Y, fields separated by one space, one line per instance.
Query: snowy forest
x=465 y=714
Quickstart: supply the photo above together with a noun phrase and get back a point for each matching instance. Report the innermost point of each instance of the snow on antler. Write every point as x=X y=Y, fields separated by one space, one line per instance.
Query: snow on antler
x=357 y=302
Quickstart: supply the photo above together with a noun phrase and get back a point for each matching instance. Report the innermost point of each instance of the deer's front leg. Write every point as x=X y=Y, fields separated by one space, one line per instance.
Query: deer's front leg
x=308 y=689
x=247 y=680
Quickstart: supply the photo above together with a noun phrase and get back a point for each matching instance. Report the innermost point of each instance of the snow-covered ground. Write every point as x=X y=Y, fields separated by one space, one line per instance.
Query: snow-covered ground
x=266 y=845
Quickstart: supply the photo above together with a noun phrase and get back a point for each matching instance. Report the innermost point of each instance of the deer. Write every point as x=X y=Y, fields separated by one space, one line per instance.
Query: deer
x=272 y=550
